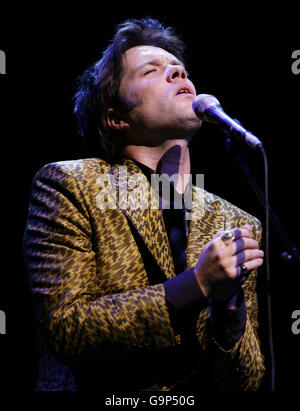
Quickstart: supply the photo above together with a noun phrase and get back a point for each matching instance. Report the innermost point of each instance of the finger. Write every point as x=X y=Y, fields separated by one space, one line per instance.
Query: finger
x=244 y=244
x=248 y=255
x=237 y=232
x=243 y=270
x=241 y=233
x=251 y=265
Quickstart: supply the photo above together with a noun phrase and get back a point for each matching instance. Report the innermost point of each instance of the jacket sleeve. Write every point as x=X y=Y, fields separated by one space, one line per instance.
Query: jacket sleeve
x=242 y=367
x=80 y=324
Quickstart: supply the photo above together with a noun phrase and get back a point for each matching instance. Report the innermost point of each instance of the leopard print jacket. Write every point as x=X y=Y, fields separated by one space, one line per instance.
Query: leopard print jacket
x=97 y=316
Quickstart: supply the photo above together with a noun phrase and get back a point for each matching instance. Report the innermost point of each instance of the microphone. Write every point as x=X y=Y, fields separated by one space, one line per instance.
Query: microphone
x=208 y=108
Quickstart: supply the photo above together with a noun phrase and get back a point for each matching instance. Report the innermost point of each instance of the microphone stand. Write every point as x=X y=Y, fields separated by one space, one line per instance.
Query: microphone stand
x=292 y=254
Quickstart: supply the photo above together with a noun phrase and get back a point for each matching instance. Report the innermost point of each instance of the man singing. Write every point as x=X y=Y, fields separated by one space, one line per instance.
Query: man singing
x=132 y=294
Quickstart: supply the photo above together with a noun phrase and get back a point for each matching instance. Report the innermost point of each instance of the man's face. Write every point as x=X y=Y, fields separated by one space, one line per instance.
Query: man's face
x=156 y=83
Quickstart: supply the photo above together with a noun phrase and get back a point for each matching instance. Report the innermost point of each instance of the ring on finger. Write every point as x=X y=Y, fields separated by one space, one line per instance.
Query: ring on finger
x=243 y=270
x=227 y=236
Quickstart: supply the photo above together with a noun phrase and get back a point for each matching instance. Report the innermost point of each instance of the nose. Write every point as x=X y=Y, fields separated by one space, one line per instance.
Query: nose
x=175 y=72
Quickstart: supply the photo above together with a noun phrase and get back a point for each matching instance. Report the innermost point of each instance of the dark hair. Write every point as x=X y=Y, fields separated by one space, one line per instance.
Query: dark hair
x=98 y=87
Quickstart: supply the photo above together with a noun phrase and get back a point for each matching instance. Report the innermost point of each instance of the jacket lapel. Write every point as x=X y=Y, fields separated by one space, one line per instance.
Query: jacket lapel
x=204 y=223
x=138 y=201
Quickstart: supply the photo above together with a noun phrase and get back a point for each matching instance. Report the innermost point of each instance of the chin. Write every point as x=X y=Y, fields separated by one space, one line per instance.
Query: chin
x=190 y=126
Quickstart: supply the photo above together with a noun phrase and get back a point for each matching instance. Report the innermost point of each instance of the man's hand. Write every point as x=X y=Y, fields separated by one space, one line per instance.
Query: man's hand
x=220 y=262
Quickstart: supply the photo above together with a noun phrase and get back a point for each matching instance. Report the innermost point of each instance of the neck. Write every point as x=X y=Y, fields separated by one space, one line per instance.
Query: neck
x=171 y=157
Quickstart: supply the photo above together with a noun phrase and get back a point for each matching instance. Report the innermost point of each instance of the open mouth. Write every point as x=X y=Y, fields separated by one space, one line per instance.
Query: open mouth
x=184 y=90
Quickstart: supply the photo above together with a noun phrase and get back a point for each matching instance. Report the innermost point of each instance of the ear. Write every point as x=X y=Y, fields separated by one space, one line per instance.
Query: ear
x=115 y=121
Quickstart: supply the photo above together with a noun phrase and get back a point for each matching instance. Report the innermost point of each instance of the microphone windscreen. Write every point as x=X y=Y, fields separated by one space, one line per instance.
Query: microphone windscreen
x=203 y=101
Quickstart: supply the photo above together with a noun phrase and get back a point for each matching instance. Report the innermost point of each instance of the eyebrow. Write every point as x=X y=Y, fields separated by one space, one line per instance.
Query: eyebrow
x=158 y=62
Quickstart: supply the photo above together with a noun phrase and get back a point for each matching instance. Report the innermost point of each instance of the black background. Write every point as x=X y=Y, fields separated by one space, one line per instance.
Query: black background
x=240 y=54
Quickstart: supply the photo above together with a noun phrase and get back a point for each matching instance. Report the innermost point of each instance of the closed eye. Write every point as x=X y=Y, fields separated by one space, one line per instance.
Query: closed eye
x=149 y=71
